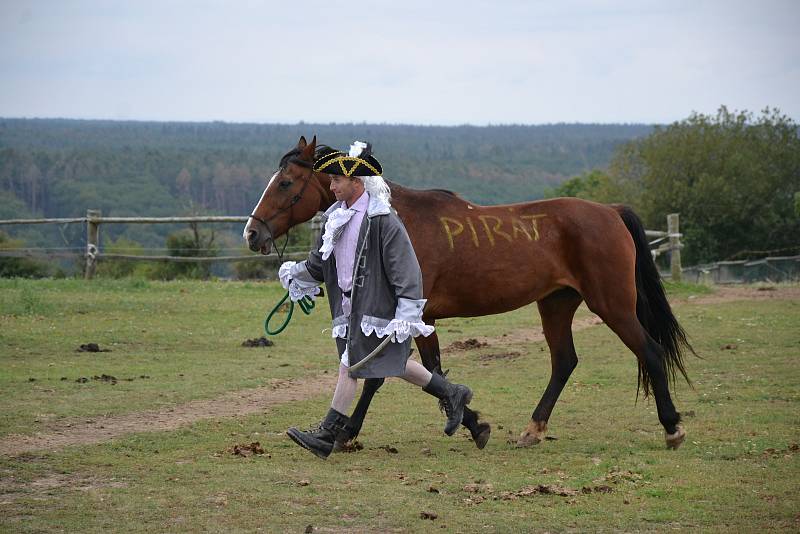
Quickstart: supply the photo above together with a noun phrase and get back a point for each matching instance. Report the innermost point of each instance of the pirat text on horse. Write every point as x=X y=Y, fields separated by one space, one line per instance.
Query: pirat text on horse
x=492 y=227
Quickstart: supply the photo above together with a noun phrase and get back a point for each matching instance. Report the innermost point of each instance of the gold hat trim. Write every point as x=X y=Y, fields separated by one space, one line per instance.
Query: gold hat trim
x=341 y=159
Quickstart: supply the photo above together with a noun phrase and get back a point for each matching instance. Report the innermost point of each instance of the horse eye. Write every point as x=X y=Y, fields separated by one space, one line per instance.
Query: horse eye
x=285 y=184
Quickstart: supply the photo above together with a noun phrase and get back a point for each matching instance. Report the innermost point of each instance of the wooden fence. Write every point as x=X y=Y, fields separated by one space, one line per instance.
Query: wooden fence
x=668 y=241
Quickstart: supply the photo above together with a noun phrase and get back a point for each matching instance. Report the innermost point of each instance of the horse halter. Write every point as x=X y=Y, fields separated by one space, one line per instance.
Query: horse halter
x=294 y=200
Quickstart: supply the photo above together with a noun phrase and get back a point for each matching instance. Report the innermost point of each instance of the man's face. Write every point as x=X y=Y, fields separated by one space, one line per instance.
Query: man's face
x=346 y=189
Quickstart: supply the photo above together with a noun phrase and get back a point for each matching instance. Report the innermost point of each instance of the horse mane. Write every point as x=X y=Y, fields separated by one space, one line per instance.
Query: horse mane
x=321 y=150
x=445 y=191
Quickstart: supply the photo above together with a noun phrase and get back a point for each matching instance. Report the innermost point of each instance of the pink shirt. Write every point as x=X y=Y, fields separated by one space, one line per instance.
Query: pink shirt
x=345 y=248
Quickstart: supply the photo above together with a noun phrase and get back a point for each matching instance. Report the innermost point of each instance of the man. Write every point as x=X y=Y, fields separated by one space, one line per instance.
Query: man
x=374 y=286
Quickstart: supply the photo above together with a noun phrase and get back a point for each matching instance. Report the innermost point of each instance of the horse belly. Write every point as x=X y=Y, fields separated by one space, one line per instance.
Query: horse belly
x=475 y=285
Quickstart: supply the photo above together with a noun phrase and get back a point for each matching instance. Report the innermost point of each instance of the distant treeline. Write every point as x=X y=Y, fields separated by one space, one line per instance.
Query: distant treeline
x=61 y=167
x=734 y=177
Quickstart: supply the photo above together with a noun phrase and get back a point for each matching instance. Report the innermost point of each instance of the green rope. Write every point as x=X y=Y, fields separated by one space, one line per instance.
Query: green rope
x=306 y=304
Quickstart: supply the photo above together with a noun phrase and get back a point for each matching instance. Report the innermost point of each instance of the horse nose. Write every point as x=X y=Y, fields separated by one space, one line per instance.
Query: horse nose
x=252 y=236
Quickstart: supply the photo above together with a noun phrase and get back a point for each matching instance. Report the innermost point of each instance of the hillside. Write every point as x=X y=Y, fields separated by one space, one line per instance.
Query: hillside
x=61 y=167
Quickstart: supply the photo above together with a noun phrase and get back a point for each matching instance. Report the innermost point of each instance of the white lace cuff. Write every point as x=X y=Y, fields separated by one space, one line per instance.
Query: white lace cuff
x=285 y=273
x=299 y=289
x=402 y=330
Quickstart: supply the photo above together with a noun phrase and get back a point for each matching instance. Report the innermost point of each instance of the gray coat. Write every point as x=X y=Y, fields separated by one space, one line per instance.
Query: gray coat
x=387 y=284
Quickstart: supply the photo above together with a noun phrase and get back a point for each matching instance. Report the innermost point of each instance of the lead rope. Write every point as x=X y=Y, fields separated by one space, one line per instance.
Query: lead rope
x=306 y=305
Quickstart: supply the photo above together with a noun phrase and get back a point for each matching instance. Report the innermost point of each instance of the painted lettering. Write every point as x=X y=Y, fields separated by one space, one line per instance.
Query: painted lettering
x=518 y=228
x=493 y=227
x=446 y=222
x=473 y=232
x=534 y=225
x=498 y=222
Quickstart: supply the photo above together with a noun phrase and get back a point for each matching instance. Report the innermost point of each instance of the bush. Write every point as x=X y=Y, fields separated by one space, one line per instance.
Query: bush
x=118 y=267
x=257 y=269
x=192 y=243
x=21 y=267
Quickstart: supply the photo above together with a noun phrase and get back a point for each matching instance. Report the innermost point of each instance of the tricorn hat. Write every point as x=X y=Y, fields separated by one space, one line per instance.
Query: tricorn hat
x=358 y=162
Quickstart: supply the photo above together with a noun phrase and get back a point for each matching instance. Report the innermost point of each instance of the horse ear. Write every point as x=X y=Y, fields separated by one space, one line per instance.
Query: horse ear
x=308 y=152
x=301 y=144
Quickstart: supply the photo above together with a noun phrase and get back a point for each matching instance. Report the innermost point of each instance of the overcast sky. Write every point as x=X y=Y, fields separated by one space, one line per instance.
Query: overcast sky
x=417 y=62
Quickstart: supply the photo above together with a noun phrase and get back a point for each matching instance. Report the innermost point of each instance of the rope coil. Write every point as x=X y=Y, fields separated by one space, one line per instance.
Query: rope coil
x=306 y=305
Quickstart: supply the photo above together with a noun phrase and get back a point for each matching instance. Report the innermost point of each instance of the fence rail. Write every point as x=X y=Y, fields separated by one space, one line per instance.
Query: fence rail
x=772 y=269
x=668 y=241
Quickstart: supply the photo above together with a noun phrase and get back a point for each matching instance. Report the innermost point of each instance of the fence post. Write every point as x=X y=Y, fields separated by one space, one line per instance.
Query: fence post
x=316 y=229
x=92 y=242
x=673 y=229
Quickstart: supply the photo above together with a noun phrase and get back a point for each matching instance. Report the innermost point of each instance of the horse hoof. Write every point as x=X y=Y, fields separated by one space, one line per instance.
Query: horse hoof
x=674 y=440
x=483 y=435
x=533 y=434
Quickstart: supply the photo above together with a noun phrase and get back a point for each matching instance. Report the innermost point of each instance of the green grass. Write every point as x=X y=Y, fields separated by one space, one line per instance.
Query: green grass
x=734 y=473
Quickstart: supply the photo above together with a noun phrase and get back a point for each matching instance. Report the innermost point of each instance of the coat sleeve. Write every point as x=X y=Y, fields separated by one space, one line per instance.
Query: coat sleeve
x=405 y=277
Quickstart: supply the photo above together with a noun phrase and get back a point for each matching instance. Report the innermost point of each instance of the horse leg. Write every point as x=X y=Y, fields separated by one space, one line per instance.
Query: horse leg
x=353 y=427
x=557 y=311
x=650 y=355
x=624 y=322
x=431 y=359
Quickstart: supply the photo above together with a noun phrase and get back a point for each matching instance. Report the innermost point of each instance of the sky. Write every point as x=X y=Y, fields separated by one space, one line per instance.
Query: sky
x=399 y=62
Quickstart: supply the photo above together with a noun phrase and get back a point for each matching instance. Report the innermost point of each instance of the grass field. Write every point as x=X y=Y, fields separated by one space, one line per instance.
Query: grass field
x=175 y=348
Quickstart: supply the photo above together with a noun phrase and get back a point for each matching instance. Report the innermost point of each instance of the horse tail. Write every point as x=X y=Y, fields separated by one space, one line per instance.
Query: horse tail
x=653 y=309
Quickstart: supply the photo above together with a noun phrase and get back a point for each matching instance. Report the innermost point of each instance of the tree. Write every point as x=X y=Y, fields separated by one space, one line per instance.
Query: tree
x=594 y=185
x=184 y=182
x=732 y=177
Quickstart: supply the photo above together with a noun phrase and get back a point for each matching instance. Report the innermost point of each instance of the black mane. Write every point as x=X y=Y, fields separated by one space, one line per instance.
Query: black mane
x=445 y=191
x=292 y=156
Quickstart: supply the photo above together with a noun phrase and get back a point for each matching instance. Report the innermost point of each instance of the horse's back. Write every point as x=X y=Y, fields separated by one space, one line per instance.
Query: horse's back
x=478 y=260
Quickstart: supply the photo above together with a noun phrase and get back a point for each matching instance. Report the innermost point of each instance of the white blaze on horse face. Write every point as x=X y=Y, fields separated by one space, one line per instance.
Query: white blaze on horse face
x=264 y=194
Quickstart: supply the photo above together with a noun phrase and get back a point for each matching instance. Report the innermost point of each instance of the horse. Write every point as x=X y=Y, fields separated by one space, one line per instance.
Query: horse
x=481 y=260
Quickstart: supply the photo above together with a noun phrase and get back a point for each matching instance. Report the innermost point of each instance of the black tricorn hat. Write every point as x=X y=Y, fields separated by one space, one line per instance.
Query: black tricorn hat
x=342 y=163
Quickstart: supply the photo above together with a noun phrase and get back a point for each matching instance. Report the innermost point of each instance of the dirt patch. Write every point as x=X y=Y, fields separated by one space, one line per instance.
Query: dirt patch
x=351 y=446
x=105 y=428
x=724 y=294
x=518 y=336
x=12 y=488
x=245 y=450
x=513 y=355
x=792 y=449
x=480 y=492
x=721 y=295
x=467 y=344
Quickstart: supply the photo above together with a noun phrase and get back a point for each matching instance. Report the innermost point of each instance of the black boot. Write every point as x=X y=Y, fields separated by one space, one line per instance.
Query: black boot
x=454 y=398
x=320 y=441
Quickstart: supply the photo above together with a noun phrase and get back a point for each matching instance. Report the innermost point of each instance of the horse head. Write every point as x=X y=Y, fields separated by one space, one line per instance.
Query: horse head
x=294 y=194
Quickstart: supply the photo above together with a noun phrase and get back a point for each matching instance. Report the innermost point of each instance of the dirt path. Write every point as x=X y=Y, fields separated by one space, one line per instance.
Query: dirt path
x=514 y=337
x=724 y=294
x=100 y=429
x=249 y=401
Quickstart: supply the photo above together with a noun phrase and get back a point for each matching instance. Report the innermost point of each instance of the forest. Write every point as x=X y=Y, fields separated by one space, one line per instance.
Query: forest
x=734 y=176
x=61 y=168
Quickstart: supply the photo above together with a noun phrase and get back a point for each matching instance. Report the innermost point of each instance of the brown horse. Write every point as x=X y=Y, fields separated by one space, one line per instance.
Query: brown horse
x=481 y=260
